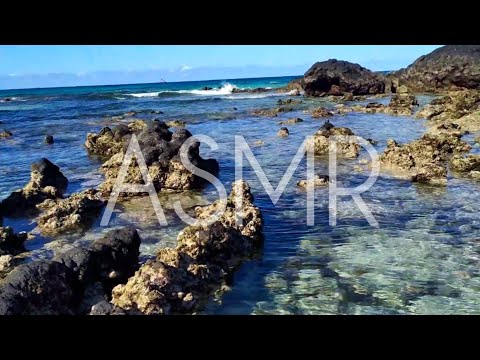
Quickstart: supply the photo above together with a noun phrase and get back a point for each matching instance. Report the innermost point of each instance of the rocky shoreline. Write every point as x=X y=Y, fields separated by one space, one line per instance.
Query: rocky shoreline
x=106 y=276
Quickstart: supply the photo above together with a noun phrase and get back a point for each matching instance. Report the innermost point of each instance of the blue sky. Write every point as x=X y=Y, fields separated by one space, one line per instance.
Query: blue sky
x=26 y=66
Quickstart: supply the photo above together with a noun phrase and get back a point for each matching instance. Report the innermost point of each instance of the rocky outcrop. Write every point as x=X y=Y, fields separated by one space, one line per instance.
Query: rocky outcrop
x=11 y=243
x=5 y=134
x=468 y=165
x=318 y=180
x=346 y=97
x=334 y=77
x=250 y=91
x=272 y=112
x=109 y=142
x=175 y=123
x=78 y=210
x=321 y=112
x=422 y=160
x=64 y=285
x=181 y=280
x=454 y=105
x=289 y=102
x=450 y=67
x=290 y=121
x=400 y=104
x=46 y=182
x=163 y=161
x=283 y=132
x=295 y=84
x=344 y=144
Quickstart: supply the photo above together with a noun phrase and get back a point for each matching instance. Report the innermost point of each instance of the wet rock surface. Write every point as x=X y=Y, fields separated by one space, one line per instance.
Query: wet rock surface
x=290 y=121
x=321 y=112
x=181 y=280
x=468 y=165
x=10 y=242
x=78 y=210
x=318 y=180
x=5 y=134
x=283 y=132
x=46 y=182
x=109 y=141
x=272 y=112
x=161 y=152
x=425 y=159
x=334 y=77
x=333 y=139
x=63 y=285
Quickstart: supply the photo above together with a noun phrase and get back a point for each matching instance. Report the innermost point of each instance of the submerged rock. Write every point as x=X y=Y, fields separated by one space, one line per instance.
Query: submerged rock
x=289 y=102
x=338 y=77
x=63 y=285
x=343 y=143
x=181 y=280
x=5 y=134
x=318 y=180
x=283 y=132
x=161 y=155
x=346 y=97
x=422 y=160
x=79 y=209
x=48 y=139
x=272 y=112
x=290 y=121
x=46 y=182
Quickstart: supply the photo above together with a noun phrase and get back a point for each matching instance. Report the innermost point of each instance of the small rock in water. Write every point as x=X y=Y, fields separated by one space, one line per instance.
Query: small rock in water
x=291 y=121
x=49 y=139
x=157 y=112
x=5 y=134
x=283 y=132
x=235 y=108
x=318 y=180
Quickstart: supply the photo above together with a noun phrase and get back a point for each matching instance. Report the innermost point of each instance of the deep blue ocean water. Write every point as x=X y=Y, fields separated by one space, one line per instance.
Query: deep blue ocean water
x=424 y=258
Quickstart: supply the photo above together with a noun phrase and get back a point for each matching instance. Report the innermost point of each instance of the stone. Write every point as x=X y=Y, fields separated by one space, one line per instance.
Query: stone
x=290 y=121
x=72 y=280
x=344 y=145
x=5 y=134
x=318 y=180
x=11 y=243
x=48 y=139
x=338 y=77
x=78 y=210
x=175 y=123
x=465 y=164
x=181 y=280
x=160 y=150
x=283 y=132
x=321 y=112
x=450 y=67
x=422 y=160
x=46 y=182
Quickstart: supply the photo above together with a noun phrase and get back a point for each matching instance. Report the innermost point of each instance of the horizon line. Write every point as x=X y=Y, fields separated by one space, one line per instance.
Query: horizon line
x=152 y=83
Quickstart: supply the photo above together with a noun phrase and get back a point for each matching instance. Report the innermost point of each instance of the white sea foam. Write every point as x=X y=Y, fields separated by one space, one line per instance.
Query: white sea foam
x=227 y=91
x=147 y=94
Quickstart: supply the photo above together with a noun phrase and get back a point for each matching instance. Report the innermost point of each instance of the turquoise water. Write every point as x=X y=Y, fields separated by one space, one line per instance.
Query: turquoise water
x=424 y=258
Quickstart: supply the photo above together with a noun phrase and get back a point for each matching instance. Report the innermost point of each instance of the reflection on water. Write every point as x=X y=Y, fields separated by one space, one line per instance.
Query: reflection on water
x=424 y=258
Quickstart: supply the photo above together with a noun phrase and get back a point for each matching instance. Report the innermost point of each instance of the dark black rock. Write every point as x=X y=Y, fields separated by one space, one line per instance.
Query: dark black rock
x=327 y=126
x=48 y=174
x=11 y=243
x=49 y=139
x=39 y=288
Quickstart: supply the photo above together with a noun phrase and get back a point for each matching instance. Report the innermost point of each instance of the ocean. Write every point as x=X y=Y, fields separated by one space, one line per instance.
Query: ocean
x=422 y=259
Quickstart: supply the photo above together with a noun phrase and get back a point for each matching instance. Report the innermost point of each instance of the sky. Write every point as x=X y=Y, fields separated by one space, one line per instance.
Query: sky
x=29 y=66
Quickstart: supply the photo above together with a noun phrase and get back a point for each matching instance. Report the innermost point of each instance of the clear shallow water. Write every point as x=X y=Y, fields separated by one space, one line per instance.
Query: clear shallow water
x=424 y=258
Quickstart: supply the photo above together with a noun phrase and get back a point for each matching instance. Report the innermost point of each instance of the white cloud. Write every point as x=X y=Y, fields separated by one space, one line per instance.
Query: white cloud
x=185 y=68
x=12 y=74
